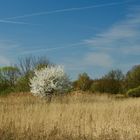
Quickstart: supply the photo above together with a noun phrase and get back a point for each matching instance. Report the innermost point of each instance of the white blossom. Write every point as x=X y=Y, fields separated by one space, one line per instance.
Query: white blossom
x=49 y=80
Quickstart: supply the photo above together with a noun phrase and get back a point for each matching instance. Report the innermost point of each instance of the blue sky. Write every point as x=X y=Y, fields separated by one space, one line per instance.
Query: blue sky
x=83 y=35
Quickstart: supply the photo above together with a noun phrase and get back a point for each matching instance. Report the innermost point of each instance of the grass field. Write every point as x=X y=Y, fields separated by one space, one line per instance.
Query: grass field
x=74 y=117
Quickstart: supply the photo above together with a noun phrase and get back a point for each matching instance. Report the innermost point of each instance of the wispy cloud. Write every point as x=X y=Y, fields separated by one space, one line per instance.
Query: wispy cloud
x=13 y=22
x=98 y=59
x=8 y=51
x=67 y=10
x=4 y=60
x=121 y=39
x=16 y=22
x=123 y=36
x=8 y=20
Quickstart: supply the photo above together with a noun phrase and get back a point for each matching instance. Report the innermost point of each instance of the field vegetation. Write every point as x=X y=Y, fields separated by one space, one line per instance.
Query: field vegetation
x=77 y=116
x=38 y=101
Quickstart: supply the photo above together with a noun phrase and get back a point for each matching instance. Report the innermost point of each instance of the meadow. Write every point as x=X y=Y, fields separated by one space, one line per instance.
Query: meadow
x=73 y=117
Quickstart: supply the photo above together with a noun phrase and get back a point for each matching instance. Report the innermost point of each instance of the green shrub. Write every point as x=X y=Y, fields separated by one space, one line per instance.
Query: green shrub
x=22 y=84
x=135 y=92
x=6 y=91
x=92 y=88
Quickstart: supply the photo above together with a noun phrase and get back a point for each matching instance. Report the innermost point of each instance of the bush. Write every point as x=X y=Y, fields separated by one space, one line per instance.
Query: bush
x=22 y=84
x=135 y=92
x=49 y=80
x=6 y=91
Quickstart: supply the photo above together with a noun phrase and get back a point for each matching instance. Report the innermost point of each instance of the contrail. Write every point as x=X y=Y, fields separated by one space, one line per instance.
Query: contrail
x=57 y=48
x=15 y=22
x=66 y=10
x=75 y=45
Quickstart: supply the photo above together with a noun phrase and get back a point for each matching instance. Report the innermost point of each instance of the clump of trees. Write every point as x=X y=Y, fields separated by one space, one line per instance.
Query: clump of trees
x=16 y=78
x=35 y=75
x=114 y=82
x=44 y=78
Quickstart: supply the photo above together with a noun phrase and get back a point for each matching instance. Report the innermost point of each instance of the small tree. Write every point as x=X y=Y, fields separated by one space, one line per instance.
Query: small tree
x=9 y=74
x=8 y=78
x=83 y=83
x=49 y=80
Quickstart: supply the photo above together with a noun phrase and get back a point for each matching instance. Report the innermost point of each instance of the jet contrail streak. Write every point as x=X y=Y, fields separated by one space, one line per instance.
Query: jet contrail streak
x=76 y=45
x=15 y=22
x=56 y=48
x=66 y=10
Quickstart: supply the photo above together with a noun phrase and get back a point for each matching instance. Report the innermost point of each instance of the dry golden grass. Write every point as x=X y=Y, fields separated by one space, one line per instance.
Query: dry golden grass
x=75 y=117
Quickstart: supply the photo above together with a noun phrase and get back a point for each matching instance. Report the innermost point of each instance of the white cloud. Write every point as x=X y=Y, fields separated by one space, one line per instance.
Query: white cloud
x=89 y=60
x=98 y=59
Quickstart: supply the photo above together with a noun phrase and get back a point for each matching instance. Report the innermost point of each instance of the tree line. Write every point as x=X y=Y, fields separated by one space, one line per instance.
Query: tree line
x=114 y=82
x=16 y=78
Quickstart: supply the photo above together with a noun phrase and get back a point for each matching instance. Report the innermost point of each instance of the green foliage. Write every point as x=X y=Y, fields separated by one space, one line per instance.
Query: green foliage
x=9 y=75
x=113 y=81
x=132 y=79
x=135 y=92
x=6 y=91
x=22 y=84
x=17 y=78
x=8 y=78
x=98 y=86
x=83 y=83
x=92 y=88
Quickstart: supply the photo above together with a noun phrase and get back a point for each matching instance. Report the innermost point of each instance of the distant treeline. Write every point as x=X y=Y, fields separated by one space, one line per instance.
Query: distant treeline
x=114 y=82
x=16 y=78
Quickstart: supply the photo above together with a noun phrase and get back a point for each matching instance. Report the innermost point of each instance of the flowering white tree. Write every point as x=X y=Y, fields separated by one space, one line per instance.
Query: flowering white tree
x=49 y=80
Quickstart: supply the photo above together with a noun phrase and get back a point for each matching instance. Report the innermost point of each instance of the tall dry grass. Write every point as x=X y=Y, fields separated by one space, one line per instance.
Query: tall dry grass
x=75 y=117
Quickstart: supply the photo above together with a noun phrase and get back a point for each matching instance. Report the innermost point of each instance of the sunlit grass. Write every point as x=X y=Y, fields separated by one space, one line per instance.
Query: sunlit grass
x=73 y=117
